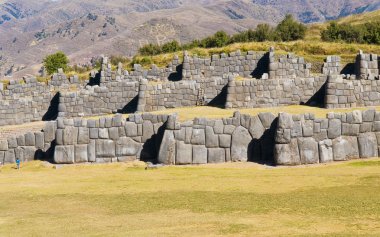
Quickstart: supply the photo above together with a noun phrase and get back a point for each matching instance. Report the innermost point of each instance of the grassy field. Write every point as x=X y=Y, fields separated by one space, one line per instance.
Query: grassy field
x=237 y=199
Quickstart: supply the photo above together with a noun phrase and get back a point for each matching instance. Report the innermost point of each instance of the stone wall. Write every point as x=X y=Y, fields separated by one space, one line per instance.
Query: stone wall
x=29 y=146
x=288 y=66
x=201 y=141
x=153 y=97
x=110 y=97
x=348 y=92
x=332 y=66
x=304 y=139
x=108 y=139
x=24 y=101
x=253 y=93
x=249 y=64
x=367 y=66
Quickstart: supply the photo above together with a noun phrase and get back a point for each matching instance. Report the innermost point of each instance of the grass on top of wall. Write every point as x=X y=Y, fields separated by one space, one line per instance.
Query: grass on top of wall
x=235 y=199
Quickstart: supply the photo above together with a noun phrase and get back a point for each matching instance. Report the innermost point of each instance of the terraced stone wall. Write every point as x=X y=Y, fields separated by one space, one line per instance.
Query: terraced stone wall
x=304 y=139
x=254 y=93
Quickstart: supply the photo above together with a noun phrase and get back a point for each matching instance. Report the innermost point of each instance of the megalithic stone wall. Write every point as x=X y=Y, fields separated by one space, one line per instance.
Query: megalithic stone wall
x=236 y=62
x=201 y=141
x=254 y=93
x=347 y=93
x=304 y=139
x=288 y=66
x=160 y=96
x=29 y=146
x=332 y=66
x=108 y=139
x=111 y=97
x=367 y=66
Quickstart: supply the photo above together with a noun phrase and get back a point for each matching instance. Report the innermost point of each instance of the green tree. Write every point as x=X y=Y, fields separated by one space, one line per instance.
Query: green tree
x=221 y=39
x=150 y=49
x=263 y=32
x=54 y=61
x=289 y=29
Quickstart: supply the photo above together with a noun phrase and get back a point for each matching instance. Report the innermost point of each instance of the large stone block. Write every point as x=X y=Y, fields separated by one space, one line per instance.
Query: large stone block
x=12 y=142
x=113 y=133
x=81 y=153
x=225 y=140
x=83 y=135
x=325 y=151
x=199 y=154
x=240 y=144
x=256 y=128
x=91 y=150
x=40 y=140
x=9 y=156
x=69 y=134
x=308 y=149
x=367 y=145
x=198 y=137
x=287 y=154
x=345 y=148
x=335 y=128
x=212 y=140
x=184 y=153
x=126 y=146
x=105 y=148
x=167 y=152
x=29 y=153
x=3 y=145
x=103 y=133
x=148 y=130
x=216 y=155
x=49 y=131
x=64 y=154
x=267 y=119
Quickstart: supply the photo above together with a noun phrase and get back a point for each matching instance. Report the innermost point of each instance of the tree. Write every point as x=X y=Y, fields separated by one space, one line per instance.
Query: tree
x=54 y=61
x=150 y=49
x=263 y=32
x=289 y=29
x=221 y=39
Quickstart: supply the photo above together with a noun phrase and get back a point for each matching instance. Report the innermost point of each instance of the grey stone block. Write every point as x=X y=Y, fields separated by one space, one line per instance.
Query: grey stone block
x=12 y=142
x=367 y=145
x=81 y=153
x=345 y=148
x=240 y=144
x=20 y=140
x=113 y=133
x=212 y=140
x=325 y=151
x=9 y=156
x=267 y=119
x=198 y=137
x=68 y=135
x=91 y=150
x=103 y=133
x=335 y=128
x=84 y=135
x=199 y=154
x=225 y=140
x=256 y=128
x=308 y=149
x=184 y=153
x=4 y=145
x=130 y=129
x=105 y=148
x=216 y=155
x=167 y=151
x=287 y=154
x=64 y=154
x=49 y=131
x=369 y=115
x=148 y=130
x=40 y=142
x=29 y=153
x=126 y=146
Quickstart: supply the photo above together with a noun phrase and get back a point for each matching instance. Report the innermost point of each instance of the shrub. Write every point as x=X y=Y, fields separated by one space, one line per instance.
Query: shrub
x=170 y=47
x=54 y=61
x=150 y=49
x=289 y=29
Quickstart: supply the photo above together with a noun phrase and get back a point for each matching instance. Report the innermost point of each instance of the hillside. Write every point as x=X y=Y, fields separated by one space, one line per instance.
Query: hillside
x=86 y=29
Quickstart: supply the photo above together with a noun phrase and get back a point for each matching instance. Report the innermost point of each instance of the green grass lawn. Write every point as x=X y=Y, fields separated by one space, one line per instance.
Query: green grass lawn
x=341 y=199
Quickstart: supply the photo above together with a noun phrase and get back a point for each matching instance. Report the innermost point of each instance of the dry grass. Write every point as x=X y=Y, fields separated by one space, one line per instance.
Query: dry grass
x=340 y=199
x=189 y=113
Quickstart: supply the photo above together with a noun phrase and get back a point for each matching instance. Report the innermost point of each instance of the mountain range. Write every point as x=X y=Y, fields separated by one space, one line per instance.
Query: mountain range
x=82 y=29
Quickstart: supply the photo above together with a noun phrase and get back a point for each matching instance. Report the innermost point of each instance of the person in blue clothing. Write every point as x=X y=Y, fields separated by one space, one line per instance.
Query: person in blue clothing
x=18 y=163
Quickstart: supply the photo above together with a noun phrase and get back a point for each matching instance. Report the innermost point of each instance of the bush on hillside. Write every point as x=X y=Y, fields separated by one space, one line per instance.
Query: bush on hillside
x=54 y=61
x=289 y=29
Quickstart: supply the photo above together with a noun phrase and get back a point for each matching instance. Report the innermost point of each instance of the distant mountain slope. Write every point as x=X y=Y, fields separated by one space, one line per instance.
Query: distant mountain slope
x=32 y=29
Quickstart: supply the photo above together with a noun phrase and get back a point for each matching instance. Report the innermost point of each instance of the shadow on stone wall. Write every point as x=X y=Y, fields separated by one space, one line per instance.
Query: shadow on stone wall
x=176 y=76
x=349 y=68
x=52 y=112
x=94 y=80
x=261 y=151
x=131 y=107
x=318 y=99
x=262 y=67
x=220 y=100
x=151 y=147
